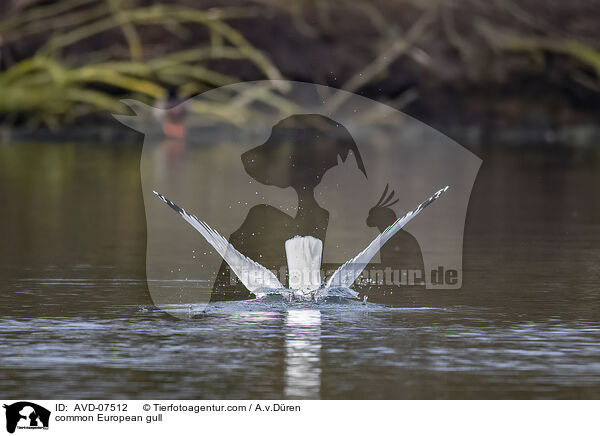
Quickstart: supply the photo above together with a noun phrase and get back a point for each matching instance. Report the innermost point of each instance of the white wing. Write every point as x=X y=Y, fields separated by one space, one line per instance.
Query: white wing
x=346 y=274
x=253 y=275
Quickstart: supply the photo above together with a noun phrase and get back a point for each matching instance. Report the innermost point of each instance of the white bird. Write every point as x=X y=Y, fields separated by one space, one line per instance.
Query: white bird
x=303 y=257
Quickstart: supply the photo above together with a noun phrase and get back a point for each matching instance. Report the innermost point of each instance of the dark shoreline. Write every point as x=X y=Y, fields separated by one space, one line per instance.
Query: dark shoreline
x=473 y=135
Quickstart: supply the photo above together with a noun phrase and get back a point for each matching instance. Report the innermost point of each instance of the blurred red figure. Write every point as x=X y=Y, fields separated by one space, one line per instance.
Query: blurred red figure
x=172 y=117
x=173 y=114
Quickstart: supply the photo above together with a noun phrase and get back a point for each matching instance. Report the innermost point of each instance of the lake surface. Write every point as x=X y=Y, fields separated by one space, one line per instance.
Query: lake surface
x=77 y=320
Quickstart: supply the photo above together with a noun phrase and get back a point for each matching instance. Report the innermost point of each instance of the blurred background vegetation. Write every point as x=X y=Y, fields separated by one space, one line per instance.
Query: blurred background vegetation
x=491 y=63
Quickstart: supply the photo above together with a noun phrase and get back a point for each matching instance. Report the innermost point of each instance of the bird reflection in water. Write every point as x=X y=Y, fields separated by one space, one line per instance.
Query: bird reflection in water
x=302 y=354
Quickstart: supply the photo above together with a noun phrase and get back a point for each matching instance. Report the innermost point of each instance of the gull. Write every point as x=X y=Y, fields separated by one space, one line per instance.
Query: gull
x=303 y=258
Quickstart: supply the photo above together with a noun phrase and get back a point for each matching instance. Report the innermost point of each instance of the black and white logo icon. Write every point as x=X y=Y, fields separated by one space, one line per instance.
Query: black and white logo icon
x=26 y=415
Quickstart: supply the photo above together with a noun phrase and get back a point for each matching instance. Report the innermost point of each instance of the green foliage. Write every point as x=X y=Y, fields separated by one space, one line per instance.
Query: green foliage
x=49 y=88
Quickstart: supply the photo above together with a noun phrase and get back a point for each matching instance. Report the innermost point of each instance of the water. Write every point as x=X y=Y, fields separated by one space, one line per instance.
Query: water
x=77 y=321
